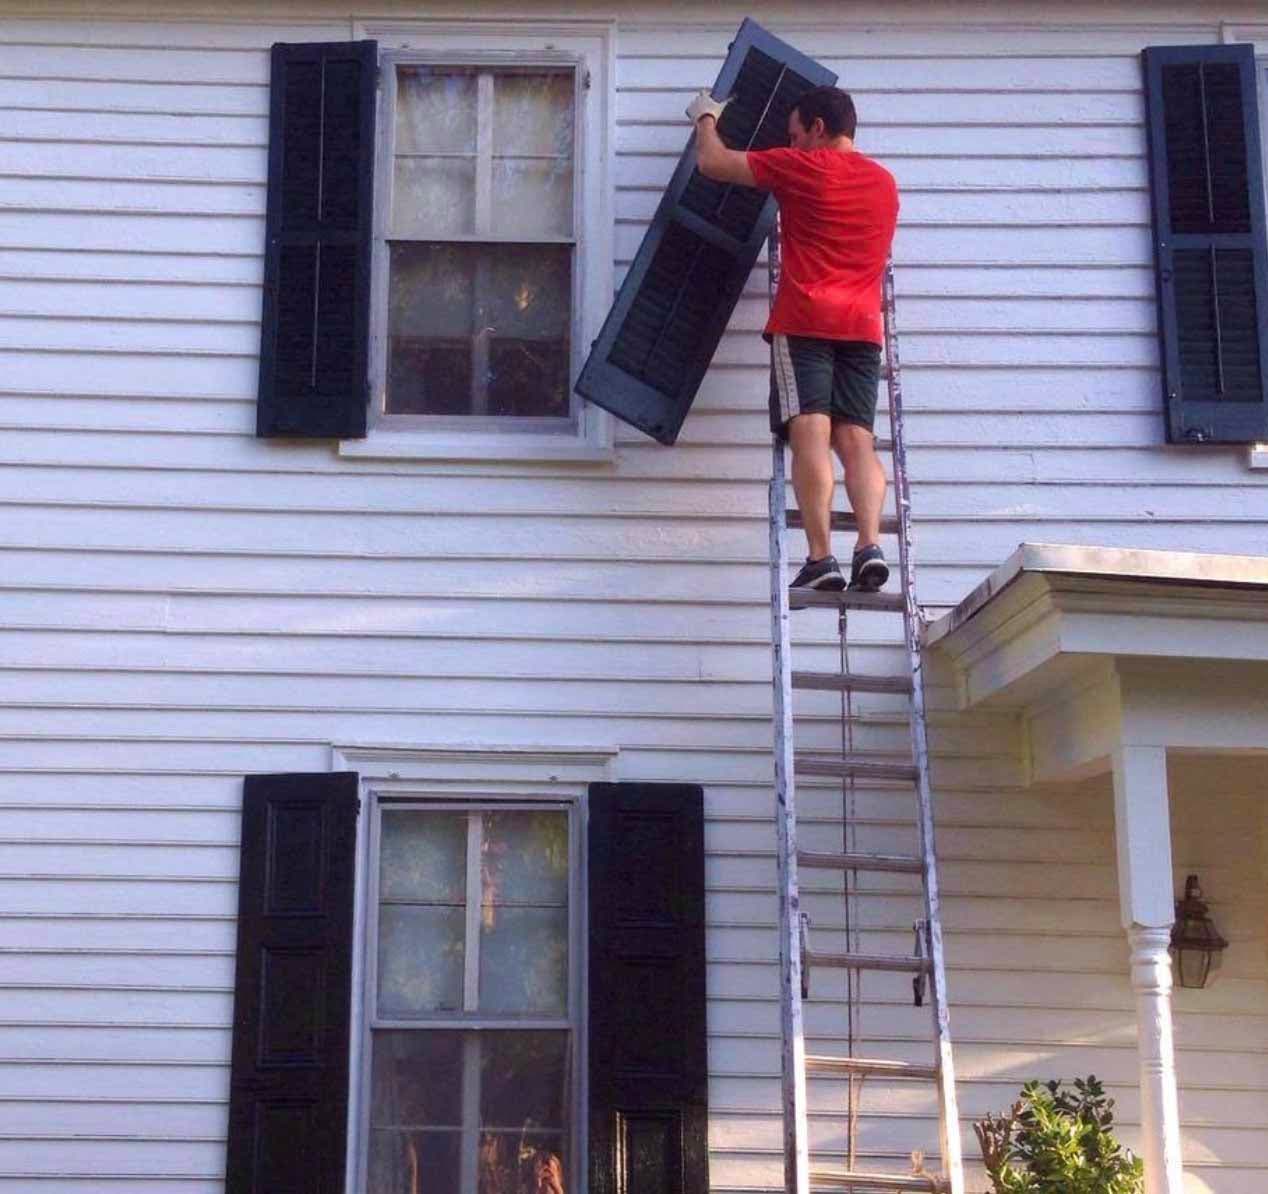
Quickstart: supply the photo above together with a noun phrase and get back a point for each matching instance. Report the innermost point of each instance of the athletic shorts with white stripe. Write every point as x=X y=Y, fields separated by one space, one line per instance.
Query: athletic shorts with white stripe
x=831 y=377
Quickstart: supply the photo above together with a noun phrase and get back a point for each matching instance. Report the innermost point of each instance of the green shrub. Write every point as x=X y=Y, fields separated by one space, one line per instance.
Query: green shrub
x=1057 y=1141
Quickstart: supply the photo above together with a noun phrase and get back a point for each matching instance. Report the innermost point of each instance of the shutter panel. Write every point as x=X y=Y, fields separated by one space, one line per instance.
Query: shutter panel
x=288 y=1091
x=648 y=1055
x=1209 y=241
x=686 y=278
x=315 y=325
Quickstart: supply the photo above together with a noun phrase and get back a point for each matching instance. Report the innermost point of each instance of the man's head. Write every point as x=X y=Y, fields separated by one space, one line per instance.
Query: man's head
x=821 y=117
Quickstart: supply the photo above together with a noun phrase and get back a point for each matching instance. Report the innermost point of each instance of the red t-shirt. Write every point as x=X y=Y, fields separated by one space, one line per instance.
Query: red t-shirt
x=837 y=214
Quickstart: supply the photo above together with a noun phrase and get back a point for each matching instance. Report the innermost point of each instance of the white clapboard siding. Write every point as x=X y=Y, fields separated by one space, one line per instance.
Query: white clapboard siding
x=182 y=604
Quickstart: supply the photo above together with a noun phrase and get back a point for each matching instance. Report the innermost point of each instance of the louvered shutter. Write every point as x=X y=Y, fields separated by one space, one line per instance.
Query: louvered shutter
x=647 y=1050
x=315 y=325
x=686 y=278
x=1209 y=241
x=288 y=1089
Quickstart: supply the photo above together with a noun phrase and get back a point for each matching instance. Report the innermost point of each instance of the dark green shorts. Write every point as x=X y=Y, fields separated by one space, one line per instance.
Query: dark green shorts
x=830 y=377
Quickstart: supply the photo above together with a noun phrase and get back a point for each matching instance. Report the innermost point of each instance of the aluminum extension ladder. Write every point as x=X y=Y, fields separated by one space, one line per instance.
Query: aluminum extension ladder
x=797 y=961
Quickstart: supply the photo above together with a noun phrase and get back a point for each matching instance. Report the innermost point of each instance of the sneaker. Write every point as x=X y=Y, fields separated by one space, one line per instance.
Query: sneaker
x=820 y=574
x=868 y=570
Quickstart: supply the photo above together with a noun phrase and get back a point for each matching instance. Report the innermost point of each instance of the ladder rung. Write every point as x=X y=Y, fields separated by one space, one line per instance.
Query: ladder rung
x=854 y=1180
x=831 y=1067
x=850 y=682
x=846 y=599
x=897 y=864
x=849 y=767
x=843 y=521
x=908 y=964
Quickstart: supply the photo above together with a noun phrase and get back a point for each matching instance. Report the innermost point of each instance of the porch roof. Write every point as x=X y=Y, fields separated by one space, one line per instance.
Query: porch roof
x=1098 y=647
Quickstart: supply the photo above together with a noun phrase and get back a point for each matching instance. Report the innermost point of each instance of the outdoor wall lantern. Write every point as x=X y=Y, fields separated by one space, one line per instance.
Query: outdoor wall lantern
x=1194 y=939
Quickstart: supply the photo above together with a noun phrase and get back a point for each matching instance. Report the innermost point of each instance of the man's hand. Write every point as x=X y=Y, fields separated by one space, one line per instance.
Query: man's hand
x=705 y=105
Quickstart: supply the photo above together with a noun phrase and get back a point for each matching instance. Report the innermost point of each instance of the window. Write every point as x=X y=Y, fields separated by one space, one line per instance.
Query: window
x=492 y=246
x=1206 y=176
x=481 y=242
x=472 y=1014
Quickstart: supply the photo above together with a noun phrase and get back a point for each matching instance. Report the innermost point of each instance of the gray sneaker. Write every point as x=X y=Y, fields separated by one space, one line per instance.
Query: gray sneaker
x=822 y=574
x=868 y=570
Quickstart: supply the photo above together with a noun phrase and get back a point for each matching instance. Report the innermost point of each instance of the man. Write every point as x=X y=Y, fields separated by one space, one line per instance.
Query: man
x=838 y=210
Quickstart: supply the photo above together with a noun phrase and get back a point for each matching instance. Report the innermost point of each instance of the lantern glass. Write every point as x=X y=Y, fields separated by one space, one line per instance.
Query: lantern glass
x=1194 y=940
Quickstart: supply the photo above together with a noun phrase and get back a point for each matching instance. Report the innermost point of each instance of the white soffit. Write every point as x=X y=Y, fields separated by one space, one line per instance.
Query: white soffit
x=1051 y=609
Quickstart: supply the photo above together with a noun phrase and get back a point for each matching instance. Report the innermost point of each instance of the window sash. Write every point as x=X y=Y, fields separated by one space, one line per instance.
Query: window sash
x=521 y=63
x=467 y=1023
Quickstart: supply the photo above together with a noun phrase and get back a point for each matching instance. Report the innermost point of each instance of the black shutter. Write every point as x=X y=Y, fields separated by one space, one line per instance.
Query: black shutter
x=648 y=1054
x=315 y=327
x=686 y=278
x=288 y=1091
x=1209 y=241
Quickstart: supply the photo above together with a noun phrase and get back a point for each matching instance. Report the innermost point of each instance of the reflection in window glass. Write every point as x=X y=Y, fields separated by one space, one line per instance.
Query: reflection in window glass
x=476 y=329
x=523 y=1112
x=480 y=1107
x=423 y=856
x=481 y=237
x=533 y=114
x=435 y=110
x=421 y=954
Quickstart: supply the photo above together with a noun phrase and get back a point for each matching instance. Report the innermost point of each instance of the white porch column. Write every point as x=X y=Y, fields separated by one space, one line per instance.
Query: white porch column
x=1143 y=833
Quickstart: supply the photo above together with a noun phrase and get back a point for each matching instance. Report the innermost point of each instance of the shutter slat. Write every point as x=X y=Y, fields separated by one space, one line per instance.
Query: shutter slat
x=661 y=334
x=1209 y=241
x=288 y=1086
x=315 y=325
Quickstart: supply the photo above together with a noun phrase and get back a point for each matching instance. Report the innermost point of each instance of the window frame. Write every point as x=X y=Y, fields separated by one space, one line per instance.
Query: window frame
x=495 y=776
x=584 y=48
x=463 y=1022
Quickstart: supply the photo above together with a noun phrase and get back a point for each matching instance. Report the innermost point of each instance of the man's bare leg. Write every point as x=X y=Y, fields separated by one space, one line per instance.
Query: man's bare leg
x=864 y=479
x=810 y=438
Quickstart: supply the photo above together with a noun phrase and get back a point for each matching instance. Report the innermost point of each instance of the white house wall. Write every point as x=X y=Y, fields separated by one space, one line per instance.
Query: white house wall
x=182 y=603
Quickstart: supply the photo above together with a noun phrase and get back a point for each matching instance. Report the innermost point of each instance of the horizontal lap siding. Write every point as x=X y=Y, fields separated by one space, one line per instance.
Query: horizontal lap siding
x=183 y=604
x=1024 y=274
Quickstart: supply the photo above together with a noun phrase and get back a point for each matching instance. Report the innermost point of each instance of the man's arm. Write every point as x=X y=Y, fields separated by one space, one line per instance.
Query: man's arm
x=713 y=158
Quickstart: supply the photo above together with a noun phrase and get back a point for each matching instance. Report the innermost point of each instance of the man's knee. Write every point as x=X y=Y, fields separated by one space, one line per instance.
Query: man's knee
x=809 y=430
x=853 y=437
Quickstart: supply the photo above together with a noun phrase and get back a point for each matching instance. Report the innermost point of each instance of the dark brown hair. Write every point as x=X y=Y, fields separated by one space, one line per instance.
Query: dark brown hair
x=831 y=105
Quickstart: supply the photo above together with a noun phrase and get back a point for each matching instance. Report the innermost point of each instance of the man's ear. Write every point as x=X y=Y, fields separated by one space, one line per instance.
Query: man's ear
x=818 y=128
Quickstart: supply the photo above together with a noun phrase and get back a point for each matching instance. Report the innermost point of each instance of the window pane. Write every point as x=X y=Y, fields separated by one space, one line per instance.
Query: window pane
x=417 y=1100
x=423 y=857
x=416 y=1079
x=524 y=1081
x=533 y=114
x=524 y=960
x=421 y=958
x=479 y=329
x=532 y=197
x=409 y=1162
x=435 y=110
x=433 y=197
x=416 y=1083
x=524 y=859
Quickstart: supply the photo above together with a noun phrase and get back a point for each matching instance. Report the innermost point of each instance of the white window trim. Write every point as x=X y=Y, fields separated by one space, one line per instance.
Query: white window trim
x=490 y=775
x=589 y=46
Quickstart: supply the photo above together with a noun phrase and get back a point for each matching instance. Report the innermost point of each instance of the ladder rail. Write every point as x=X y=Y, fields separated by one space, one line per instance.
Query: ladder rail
x=793 y=1036
x=913 y=622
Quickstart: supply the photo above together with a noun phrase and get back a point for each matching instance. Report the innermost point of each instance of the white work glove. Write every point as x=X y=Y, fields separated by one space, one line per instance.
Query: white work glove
x=705 y=105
